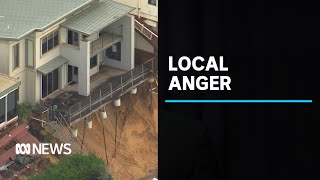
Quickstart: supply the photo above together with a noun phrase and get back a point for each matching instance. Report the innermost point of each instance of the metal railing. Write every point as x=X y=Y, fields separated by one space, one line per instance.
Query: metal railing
x=144 y=30
x=106 y=39
x=65 y=134
x=109 y=91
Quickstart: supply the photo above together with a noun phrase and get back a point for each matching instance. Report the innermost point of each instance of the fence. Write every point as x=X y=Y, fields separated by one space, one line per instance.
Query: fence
x=109 y=91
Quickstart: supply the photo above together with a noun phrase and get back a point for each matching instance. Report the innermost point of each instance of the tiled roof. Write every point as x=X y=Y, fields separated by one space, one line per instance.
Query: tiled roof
x=21 y=17
x=96 y=18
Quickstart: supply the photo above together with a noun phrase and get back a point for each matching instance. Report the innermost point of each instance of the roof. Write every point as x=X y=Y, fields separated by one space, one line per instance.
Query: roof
x=7 y=84
x=98 y=17
x=21 y=17
x=52 y=65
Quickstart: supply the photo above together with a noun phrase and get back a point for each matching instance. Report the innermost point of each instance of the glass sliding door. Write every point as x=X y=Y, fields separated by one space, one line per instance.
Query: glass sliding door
x=50 y=83
x=12 y=105
x=2 y=110
x=55 y=80
x=44 y=86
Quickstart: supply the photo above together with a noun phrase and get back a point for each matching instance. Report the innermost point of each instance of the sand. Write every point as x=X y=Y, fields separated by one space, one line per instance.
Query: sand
x=136 y=155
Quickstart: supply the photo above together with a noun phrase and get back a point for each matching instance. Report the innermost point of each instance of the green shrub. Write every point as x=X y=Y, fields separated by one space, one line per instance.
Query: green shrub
x=24 y=111
x=76 y=166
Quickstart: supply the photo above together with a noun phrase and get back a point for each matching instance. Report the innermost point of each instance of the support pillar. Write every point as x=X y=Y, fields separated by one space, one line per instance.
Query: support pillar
x=117 y=102
x=88 y=121
x=74 y=131
x=103 y=113
x=134 y=91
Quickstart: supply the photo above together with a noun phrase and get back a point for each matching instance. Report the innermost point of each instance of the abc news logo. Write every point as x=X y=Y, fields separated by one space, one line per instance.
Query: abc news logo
x=43 y=148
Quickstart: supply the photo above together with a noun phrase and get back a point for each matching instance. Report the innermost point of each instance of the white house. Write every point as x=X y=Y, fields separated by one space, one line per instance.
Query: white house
x=48 y=44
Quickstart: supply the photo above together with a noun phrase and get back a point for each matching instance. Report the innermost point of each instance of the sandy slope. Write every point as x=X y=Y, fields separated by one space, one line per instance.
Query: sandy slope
x=137 y=153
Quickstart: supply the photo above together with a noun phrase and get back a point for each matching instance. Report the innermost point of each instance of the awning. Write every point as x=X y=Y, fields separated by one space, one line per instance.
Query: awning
x=98 y=17
x=8 y=84
x=52 y=65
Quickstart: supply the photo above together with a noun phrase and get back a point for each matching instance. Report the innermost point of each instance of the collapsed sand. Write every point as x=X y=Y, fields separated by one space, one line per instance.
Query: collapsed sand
x=136 y=154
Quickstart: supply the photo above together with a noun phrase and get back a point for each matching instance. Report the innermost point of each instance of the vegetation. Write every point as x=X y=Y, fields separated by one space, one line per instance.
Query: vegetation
x=76 y=166
x=24 y=111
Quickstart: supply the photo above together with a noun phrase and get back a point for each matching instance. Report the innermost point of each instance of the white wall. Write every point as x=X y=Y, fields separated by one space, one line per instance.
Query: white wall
x=127 y=44
x=142 y=44
x=79 y=57
x=4 y=56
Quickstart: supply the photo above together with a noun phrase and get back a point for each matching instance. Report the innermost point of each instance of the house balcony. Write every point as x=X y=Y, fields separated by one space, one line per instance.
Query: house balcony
x=108 y=84
x=105 y=41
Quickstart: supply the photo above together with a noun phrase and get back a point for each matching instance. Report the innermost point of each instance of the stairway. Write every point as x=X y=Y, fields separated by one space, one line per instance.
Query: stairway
x=144 y=29
x=63 y=131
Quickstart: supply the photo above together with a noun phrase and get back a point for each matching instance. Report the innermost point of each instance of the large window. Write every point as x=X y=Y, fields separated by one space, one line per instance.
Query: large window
x=152 y=2
x=50 y=83
x=12 y=105
x=49 y=42
x=73 y=38
x=2 y=110
x=114 y=52
x=93 y=62
x=29 y=53
x=16 y=61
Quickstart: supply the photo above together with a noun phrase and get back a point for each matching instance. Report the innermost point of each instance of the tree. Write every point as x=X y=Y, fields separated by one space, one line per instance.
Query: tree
x=77 y=166
x=24 y=111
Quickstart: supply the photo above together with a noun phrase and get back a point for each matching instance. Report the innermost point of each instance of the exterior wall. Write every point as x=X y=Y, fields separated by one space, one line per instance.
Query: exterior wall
x=142 y=44
x=127 y=44
x=143 y=9
x=79 y=57
x=4 y=58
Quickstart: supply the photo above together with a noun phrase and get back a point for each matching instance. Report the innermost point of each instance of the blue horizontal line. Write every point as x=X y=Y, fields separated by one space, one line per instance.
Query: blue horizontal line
x=238 y=101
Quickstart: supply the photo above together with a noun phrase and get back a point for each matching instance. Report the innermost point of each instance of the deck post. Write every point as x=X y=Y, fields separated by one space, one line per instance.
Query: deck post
x=80 y=108
x=131 y=78
x=142 y=71
x=121 y=85
x=100 y=97
x=111 y=89
x=90 y=103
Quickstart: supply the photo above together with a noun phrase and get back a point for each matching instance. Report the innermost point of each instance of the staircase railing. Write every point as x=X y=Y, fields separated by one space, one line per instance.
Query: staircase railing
x=62 y=123
x=153 y=37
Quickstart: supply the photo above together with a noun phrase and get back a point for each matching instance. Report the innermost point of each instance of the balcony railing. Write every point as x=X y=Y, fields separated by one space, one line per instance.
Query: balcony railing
x=105 y=40
x=109 y=91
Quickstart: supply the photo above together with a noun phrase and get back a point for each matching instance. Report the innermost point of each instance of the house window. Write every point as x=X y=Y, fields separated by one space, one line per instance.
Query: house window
x=73 y=38
x=49 y=42
x=152 y=2
x=15 y=56
x=93 y=62
x=114 y=52
x=29 y=53
x=50 y=83
x=11 y=105
x=2 y=110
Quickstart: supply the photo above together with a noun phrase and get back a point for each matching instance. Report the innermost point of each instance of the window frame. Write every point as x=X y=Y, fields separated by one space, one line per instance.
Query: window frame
x=92 y=59
x=27 y=54
x=156 y=2
x=73 y=38
x=52 y=35
x=15 y=62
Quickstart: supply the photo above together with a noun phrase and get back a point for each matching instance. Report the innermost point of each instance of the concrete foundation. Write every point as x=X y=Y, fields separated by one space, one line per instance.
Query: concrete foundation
x=103 y=114
x=88 y=123
x=117 y=102
x=151 y=80
x=74 y=132
x=134 y=91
